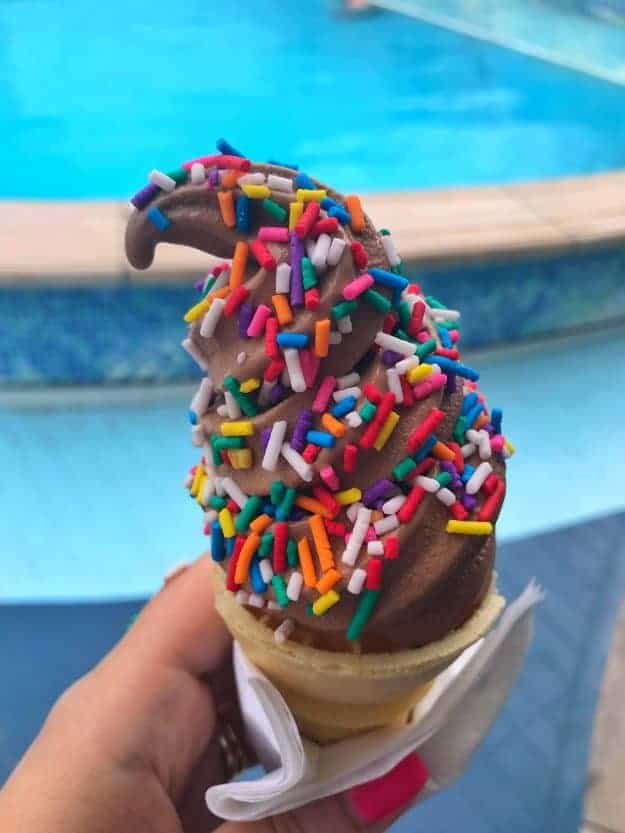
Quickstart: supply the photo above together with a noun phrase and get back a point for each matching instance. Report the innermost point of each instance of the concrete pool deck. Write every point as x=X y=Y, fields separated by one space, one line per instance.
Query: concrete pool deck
x=459 y=225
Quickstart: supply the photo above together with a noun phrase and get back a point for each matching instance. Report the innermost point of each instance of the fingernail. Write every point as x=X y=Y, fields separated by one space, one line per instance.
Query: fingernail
x=176 y=571
x=389 y=793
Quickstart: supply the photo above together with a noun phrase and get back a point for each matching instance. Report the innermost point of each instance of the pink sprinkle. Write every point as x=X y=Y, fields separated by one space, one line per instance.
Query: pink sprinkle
x=275 y=234
x=371 y=535
x=436 y=381
x=356 y=287
x=326 y=389
x=497 y=442
x=423 y=335
x=330 y=478
x=310 y=366
x=257 y=324
x=454 y=335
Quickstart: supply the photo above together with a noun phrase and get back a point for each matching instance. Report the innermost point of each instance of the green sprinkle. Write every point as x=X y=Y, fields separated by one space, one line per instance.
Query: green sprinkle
x=309 y=610
x=376 y=300
x=217 y=461
x=276 y=210
x=399 y=333
x=366 y=606
x=398 y=268
x=459 y=430
x=284 y=510
x=309 y=276
x=385 y=232
x=344 y=308
x=276 y=492
x=229 y=442
x=208 y=285
x=449 y=325
x=180 y=176
x=217 y=502
x=404 y=314
x=265 y=547
x=253 y=507
x=279 y=588
x=426 y=348
x=245 y=403
x=434 y=303
x=367 y=411
x=402 y=470
x=291 y=553
x=444 y=478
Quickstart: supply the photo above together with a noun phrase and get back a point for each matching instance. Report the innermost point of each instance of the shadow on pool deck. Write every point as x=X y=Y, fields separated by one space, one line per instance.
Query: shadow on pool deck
x=538 y=747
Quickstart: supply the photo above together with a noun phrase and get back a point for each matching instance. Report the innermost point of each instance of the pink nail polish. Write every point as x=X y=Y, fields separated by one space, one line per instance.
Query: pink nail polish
x=385 y=795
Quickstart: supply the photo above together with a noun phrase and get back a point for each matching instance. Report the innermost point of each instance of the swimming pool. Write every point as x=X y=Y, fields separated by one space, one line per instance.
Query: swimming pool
x=92 y=97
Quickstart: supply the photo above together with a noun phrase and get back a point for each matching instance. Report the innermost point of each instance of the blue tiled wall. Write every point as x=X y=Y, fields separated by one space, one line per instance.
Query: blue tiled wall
x=123 y=333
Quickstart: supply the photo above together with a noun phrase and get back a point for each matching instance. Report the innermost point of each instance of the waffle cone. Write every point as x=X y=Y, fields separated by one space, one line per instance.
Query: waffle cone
x=335 y=695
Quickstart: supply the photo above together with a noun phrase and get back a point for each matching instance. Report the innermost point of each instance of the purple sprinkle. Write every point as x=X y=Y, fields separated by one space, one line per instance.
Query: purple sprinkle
x=450 y=384
x=296 y=253
x=277 y=393
x=449 y=468
x=469 y=502
x=199 y=285
x=246 y=313
x=302 y=426
x=379 y=503
x=297 y=513
x=489 y=428
x=377 y=490
x=145 y=196
x=390 y=357
x=212 y=178
x=264 y=438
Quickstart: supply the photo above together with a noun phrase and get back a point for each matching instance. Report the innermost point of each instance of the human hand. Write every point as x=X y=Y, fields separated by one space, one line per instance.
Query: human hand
x=132 y=746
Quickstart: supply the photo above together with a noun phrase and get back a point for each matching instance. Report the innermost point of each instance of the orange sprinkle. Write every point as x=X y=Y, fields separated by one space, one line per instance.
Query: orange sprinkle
x=322 y=338
x=312 y=505
x=328 y=580
x=282 y=307
x=239 y=262
x=481 y=420
x=355 y=209
x=306 y=562
x=226 y=205
x=252 y=542
x=376 y=515
x=322 y=544
x=230 y=178
x=442 y=452
x=333 y=425
x=261 y=523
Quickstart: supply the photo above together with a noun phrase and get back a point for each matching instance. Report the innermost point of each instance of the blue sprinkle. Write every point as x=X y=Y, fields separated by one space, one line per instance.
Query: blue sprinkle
x=445 y=338
x=192 y=417
x=304 y=181
x=297 y=340
x=341 y=214
x=224 y=146
x=321 y=438
x=243 y=214
x=343 y=407
x=496 y=415
x=269 y=509
x=230 y=542
x=389 y=279
x=468 y=402
x=327 y=203
x=158 y=219
x=473 y=414
x=218 y=549
x=425 y=449
x=256 y=578
x=283 y=164
x=466 y=472
x=447 y=365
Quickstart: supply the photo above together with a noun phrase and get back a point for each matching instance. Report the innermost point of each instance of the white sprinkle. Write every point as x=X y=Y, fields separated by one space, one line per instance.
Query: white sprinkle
x=166 y=183
x=273 y=605
x=352 y=511
x=272 y=452
x=394 y=385
x=241 y=357
x=310 y=247
x=297 y=462
x=265 y=390
x=336 y=250
x=335 y=338
x=241 y=597
x=296 y=376
x=256 y=178
x=344 y=325
x=232 y=406
x=195 y=354
x=476 y=481
x=468 y=449
x=375 y=548
x=197 y=436
x=393 y=504
x=446 y=496
x=357 y=537
x=486 y=452
x=284 y=631
x=254 y=600
x=188 y=480
x=406 y=364
x=211 y=319
x=387 y=524
x=398 y=345
x=280 y=183
x=266 y=570
x=473 y=436
x=348 y=380
x=234 y=491
x=353 y=419
x=209 y=516
x=444 y=314
x=198 y=173
x=345 y=392
x=430 y=484
x=357 y=581
x=283 y=278
x=201 y=399
x=222 y=410
x=222 y=279
x=294 y=587
x=220 y=487
x=320 y=253
x=391 y=252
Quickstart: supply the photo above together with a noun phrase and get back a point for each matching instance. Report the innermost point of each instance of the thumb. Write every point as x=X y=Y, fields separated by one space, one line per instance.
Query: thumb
x=368 y=808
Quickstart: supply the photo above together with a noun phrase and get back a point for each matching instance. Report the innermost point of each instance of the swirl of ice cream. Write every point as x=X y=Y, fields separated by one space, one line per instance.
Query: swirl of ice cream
x=351 y=473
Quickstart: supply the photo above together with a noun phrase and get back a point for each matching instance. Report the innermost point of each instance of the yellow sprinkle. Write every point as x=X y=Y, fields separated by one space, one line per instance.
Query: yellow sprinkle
x=509 y=447
x=200 y=491
x=256 y=192
x=310 y=195
x=198 y=310
x=419 y=373
x=470 y=527
x=241 y=458
x=226 y=523
x=387 y=429
x=197 y=479
x=248 y=385
x=325 y=602
x=348 y=496
x=296 y=209
x=241 y=428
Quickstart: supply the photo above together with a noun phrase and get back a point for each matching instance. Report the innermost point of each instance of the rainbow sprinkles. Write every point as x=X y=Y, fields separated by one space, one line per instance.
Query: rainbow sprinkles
x=330 y=537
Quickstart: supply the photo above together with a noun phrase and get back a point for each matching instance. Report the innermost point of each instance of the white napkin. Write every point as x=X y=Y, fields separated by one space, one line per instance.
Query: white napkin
x=446 y=727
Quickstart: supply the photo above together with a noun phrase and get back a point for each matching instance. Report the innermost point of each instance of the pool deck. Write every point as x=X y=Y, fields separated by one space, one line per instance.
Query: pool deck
x=495 y=222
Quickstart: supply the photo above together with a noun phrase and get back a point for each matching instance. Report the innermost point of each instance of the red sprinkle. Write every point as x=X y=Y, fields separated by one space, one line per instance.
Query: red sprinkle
x=262 y=254
x=424 y=429
x=491 y=505
x=369 y=436
x=414 y=289
x=310 y=452
x=350 y=457
x=311 y=299
x=274 y=369
x=335 y=528
x=235 y=299
x=491 y=483
x=307 y=220
x=389 y=323
x=422 y=468
x=416 y=319
x=232 y=506
x=458 y=458
x=374 y=574
x=329 y=225
x=360 y=256
x=280 y=538
x=409 y=399
x=372 y=394
x=271 y=331
x=232 y=564
x=458 y=511
x=391 y=548
x=411 y=504
x=447 y=352
x=328 y=500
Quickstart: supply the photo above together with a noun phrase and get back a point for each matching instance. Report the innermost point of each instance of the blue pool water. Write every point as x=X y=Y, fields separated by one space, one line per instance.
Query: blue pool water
x=91 y=97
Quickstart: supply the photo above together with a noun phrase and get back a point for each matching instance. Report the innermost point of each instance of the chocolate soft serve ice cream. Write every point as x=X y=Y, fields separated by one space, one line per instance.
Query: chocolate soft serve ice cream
x=351 y=472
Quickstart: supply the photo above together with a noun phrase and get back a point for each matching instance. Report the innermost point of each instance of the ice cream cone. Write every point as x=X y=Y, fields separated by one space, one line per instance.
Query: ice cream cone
x=337 y=695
